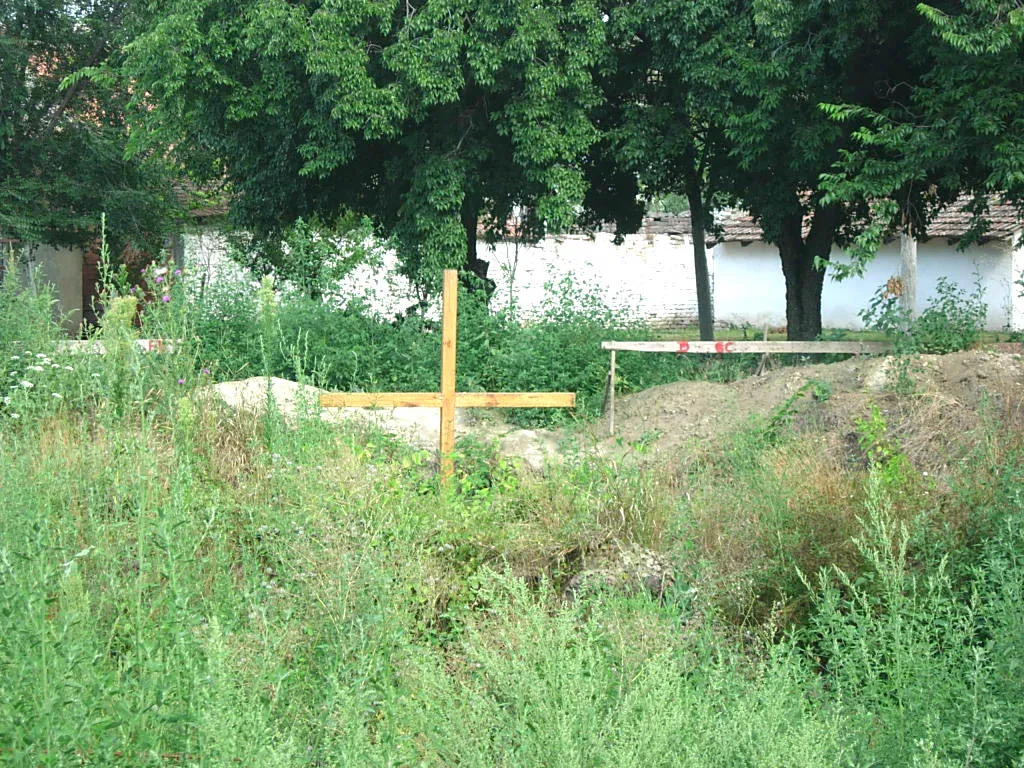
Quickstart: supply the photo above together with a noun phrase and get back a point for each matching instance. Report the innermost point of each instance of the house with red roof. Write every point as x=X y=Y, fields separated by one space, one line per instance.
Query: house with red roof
x=749 y=287
x=649 y=275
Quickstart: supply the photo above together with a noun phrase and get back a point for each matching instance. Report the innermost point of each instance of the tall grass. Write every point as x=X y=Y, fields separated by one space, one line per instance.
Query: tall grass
x=184 y=585
x=352 y=349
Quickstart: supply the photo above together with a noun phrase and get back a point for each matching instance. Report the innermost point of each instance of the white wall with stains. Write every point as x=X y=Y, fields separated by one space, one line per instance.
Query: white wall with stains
x=650 y=276
x=750 y=288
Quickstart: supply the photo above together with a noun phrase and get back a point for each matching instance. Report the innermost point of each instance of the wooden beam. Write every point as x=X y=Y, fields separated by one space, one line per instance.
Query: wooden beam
x=611 y=395
x=752 y=347
x=380 y=400
x=462 y=400
x=515 y=399
x=449 y=334
x=448 y=399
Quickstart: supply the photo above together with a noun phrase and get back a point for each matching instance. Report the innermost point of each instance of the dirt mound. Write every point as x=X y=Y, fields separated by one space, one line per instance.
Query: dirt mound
x=940 y=395
x=937 y=397
x=419 y=427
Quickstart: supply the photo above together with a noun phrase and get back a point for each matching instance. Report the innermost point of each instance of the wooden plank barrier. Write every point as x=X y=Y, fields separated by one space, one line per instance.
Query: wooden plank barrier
x=734 y=347
x=448 y=399
x=753 y=347
x=95 y=347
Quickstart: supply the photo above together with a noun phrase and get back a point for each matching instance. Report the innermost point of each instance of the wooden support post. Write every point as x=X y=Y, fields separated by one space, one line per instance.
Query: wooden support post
x=763 y=365
x=449 y=333
x=908 y=272
x=611 y=396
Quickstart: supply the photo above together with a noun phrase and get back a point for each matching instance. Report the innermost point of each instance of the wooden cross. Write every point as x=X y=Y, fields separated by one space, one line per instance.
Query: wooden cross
x=448 y=399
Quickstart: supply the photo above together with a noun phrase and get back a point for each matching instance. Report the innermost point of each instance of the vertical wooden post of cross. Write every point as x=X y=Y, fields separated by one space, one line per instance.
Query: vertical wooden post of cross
x=449 y=333
x=448 y=399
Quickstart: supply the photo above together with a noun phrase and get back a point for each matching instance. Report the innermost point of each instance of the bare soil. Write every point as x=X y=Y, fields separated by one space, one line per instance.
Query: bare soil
x=949 y=397
x=942 y=399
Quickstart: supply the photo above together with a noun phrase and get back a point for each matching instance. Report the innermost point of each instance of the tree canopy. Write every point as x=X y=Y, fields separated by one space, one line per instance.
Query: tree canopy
x=427 y=117
x=62 y=136
x=958 y=128
x=802 y=54
x=440 y=119
x=668 y=87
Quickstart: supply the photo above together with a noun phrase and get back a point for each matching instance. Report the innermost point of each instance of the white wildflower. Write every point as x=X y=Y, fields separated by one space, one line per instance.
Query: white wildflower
x=27 y=384
x=5 y=400
x=95 y=375
x=40 y=355
x=68 y=368
x=35 y=368
x=15 y=415
x=58 y=395
x=15 y=357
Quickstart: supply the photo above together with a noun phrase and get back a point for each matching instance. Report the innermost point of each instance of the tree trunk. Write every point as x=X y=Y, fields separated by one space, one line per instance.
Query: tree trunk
x=474 y=264
x=804 y=281
x=908 y=271
x=705 y=306
x=803 y=295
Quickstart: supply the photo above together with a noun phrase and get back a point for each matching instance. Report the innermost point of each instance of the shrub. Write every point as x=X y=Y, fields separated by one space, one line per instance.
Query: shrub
x=952 y=321
x=922 y=663
x=26 y=310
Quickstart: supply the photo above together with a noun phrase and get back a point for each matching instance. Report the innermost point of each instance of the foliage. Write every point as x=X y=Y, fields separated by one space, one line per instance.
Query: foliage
x=426 y=118
x=802 y=55
x=349 y=349
x=62 y=134
x=668 y=86
x=952 y=321
x=182 y=583
x=957 y=130
x=26 y=308
x=313 y=255
x=919 y=661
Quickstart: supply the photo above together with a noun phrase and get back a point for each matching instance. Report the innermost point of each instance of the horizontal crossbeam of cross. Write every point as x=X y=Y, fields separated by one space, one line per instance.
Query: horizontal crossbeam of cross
x=447 y=400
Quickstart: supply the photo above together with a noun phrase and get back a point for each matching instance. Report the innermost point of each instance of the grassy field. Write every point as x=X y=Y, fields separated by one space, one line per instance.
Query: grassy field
x=185 y=585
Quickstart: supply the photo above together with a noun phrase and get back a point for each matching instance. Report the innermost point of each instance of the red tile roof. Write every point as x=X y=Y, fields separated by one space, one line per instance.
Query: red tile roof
x=953 y=222
x=202 y=203
x=667 y=224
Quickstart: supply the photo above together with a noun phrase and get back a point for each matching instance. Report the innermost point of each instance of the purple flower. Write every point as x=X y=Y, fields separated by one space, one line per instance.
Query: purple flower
x=159 y=279
x=181 y=381
x=205 y=371
x=166 y=298
x=177 y=273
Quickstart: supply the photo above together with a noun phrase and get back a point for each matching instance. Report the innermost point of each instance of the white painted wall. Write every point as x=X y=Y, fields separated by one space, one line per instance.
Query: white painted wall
x=648 y=276
x=378 y=286
x=750 y=287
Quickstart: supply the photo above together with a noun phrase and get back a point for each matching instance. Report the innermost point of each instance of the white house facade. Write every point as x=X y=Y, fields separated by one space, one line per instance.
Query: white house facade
x=650 y=274
x=750 y=287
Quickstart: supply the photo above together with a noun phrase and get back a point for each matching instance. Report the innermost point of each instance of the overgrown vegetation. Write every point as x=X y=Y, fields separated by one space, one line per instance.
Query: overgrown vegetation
x=185 y=585
x=352 y=349
x=953 y=320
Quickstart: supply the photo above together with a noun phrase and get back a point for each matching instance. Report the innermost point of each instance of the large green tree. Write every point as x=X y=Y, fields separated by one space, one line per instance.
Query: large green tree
x=959 y=128
x=63 y=136
x=800 y=54
x=429 y=117
x=668 y=85
x=722 y=103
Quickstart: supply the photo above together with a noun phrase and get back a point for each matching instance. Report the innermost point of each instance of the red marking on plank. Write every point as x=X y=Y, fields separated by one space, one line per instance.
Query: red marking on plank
x=684 y=346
